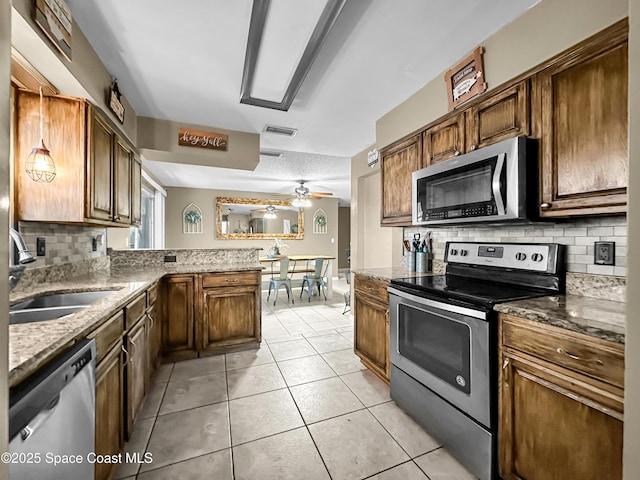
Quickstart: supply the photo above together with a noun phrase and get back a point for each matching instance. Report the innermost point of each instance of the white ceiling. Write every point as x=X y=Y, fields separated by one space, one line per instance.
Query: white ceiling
x=183 y=61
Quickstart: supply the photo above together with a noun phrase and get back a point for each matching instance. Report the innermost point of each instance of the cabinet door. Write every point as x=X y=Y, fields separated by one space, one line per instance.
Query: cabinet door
x=123 y=159
x=154 y=341
x=397 y=164
x=583 y=125
x=230 y=316
x=503 y=115
x=553 y=425
x=100 y=171
x=444 y=141
x=136 y=192
x=178 y=315
x=136 y=372
x=371 y=335
x=109 y=409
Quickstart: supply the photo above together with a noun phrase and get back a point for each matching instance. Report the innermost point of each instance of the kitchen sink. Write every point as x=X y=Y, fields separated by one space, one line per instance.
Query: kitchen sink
x=52 y=306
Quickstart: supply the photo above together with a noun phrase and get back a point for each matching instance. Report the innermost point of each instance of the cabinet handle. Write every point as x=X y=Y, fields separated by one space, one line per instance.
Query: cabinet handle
x=153 y=322
x=473 y=147
x=126 y=355
x=576 y=357
x=229 y=280
x=456 y=153
x=544 y=206
x=118 y=217
x=505 y=364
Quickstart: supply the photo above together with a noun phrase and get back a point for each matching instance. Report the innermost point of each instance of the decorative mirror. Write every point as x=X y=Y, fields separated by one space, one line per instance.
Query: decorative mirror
x=238 y=218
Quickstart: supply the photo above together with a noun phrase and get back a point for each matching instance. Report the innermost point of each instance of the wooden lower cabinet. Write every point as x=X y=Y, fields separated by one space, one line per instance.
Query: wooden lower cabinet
x=178 y=317
x=109 y=435
x=136 y=345
x=154 y=342
x=557 y=422
x=371 y=335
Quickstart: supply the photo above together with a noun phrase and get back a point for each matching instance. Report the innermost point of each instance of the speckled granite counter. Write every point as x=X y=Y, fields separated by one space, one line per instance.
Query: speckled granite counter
x=31 y=345
x=386 y=274
x=595 y=317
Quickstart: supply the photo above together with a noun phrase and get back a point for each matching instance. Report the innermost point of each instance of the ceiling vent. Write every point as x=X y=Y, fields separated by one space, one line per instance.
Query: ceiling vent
x=271 y=154
x=289 y=132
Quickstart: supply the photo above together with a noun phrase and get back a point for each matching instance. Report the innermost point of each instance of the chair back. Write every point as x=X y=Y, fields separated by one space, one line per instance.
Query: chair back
x=284 y=270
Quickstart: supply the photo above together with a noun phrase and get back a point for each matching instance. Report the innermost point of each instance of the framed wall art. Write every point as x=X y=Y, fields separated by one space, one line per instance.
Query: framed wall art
x=466 y=79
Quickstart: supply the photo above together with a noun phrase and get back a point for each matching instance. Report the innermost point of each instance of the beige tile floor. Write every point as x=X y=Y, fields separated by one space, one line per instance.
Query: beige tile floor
x=300 y=407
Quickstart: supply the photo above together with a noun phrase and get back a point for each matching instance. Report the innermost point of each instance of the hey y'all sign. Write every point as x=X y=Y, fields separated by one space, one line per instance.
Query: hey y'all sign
x=199 y=139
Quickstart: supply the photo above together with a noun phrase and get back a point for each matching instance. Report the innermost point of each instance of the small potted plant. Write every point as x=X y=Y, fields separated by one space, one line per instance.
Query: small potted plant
x=278 y=247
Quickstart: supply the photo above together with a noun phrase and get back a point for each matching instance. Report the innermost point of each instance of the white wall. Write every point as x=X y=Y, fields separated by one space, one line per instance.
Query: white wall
x=632 y=352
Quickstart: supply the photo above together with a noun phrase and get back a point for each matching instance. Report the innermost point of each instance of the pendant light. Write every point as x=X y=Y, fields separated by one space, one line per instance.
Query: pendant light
x=40 y=166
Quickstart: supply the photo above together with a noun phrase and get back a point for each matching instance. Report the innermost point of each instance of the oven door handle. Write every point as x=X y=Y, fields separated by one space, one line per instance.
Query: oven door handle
x=495 y=184
x=426 y=302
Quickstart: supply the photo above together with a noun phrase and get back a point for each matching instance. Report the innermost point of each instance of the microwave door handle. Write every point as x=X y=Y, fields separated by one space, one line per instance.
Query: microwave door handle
x=495 y=184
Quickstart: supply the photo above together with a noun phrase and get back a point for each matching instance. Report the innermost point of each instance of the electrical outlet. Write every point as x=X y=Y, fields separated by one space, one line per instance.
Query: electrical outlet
x=169 y=258
x=604 y=253
x=41 y=247
x=94 y=244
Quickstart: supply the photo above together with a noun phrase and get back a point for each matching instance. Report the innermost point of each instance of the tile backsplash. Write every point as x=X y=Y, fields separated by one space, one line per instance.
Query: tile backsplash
x=64 y=243
x=577 y=234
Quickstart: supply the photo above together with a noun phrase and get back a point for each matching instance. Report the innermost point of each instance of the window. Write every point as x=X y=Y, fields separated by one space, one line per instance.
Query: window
x=150 y=233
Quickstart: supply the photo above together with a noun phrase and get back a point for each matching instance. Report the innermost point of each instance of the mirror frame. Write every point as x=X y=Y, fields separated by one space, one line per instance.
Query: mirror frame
x=256 y=201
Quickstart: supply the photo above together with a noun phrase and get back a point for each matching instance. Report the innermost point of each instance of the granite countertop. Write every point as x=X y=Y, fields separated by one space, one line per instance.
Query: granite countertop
x=386 y=274
x=31 y=345
x=604 y=319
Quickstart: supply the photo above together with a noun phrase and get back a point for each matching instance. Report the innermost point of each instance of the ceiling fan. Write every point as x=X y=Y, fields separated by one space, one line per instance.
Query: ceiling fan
x=303 y=195
x=269 y=211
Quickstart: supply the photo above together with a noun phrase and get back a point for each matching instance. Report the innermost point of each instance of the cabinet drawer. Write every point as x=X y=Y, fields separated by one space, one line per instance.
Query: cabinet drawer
x=230 y=279
x=373 y=287
x=152 y=295
x=135 y=310
x=107 y=334
x=599 y=359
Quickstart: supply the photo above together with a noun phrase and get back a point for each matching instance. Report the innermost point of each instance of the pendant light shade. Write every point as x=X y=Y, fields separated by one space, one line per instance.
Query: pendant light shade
x=40 y=166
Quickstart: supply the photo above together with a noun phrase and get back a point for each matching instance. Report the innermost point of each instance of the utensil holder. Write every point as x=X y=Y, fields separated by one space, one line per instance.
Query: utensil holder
x=423 y=262
x=411 y=261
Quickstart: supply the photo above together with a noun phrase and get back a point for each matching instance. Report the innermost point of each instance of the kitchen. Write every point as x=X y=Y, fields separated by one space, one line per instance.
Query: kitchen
x=431 y=104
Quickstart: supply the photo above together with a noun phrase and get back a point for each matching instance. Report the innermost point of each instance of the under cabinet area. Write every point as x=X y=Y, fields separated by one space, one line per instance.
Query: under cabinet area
x=210 y=313
x=98 y=179
x=561 y=403
x=371 y=330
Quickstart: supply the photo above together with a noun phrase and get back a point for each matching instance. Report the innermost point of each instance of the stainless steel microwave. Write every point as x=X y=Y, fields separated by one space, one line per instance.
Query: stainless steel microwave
x=490 y=184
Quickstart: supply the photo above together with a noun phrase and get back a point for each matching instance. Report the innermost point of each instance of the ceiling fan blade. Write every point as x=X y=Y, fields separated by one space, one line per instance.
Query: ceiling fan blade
x=320 y=194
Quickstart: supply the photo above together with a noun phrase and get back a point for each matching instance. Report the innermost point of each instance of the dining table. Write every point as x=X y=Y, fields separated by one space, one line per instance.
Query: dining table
x=296 y=266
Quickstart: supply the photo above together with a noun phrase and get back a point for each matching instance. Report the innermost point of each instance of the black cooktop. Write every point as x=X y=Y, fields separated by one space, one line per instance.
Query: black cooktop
x=473 y=291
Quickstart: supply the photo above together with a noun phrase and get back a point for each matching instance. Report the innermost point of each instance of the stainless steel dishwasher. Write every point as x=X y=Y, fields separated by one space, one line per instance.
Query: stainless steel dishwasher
x=52 y=419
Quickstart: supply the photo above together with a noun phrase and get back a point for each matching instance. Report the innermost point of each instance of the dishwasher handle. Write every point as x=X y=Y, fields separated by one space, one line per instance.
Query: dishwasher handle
x=40 y=418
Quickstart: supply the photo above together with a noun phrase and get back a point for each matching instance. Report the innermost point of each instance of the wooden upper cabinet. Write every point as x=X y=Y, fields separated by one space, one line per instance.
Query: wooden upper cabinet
x=65 y=133
x=136 y=192
x=123 y=158
x=444 y=140
x=397 y=164
x=582 y=112
x=100 y=171
x=503 y=115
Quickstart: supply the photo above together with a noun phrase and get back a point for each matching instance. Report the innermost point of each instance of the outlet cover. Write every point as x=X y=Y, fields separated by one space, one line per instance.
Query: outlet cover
x=169 y=258
x=41 y=247
x=604 y=253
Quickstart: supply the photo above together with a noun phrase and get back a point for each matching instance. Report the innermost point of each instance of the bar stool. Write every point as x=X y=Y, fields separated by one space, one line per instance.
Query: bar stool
x=317 y=278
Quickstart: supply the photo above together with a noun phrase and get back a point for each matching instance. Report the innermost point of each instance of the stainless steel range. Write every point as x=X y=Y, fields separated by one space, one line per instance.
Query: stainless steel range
x=443 y=336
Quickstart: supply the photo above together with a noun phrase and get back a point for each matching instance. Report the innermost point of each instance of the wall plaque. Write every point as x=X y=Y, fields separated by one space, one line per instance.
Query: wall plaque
x=466 y=79
x=195 y=138
x=55 y=20
x=114 y=102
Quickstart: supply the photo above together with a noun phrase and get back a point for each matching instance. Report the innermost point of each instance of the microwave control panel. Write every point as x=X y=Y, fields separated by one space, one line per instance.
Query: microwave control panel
x=520 y=256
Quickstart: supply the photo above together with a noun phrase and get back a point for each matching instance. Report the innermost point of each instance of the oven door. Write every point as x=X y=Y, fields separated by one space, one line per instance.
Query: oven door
x=445 y=347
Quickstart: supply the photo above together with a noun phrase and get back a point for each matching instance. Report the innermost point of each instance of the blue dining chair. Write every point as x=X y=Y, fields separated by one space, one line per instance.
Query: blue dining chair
x=317 y=278
x=279 y=279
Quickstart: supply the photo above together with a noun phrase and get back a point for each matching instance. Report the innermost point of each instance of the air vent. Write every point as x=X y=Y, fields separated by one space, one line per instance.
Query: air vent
x=289 y=132
x=270 y=153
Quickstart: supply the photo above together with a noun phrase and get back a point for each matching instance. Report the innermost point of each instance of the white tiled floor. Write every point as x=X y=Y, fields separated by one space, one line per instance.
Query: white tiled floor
x=300 y=407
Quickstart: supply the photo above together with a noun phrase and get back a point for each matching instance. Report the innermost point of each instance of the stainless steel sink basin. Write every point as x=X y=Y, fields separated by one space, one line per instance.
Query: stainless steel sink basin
x=41 y=314
x=52 y=306
x=79 y=299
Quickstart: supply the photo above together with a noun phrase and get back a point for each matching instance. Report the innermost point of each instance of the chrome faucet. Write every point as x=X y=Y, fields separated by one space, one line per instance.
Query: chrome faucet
x=24 y=257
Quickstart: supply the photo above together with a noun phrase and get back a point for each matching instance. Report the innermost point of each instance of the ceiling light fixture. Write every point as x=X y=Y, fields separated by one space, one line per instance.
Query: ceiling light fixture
x=275 y=65
x=271 y=212
x=302 y=196
x=40 y=166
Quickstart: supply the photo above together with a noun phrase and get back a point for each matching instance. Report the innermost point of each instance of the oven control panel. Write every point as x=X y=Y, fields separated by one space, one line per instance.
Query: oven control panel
x=540 y=257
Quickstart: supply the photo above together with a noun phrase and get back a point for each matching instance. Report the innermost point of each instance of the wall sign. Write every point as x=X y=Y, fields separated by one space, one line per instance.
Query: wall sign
x=196 y=138
x=55 y=20
x=372 y=157
x=466 y=79
x=115 y=105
